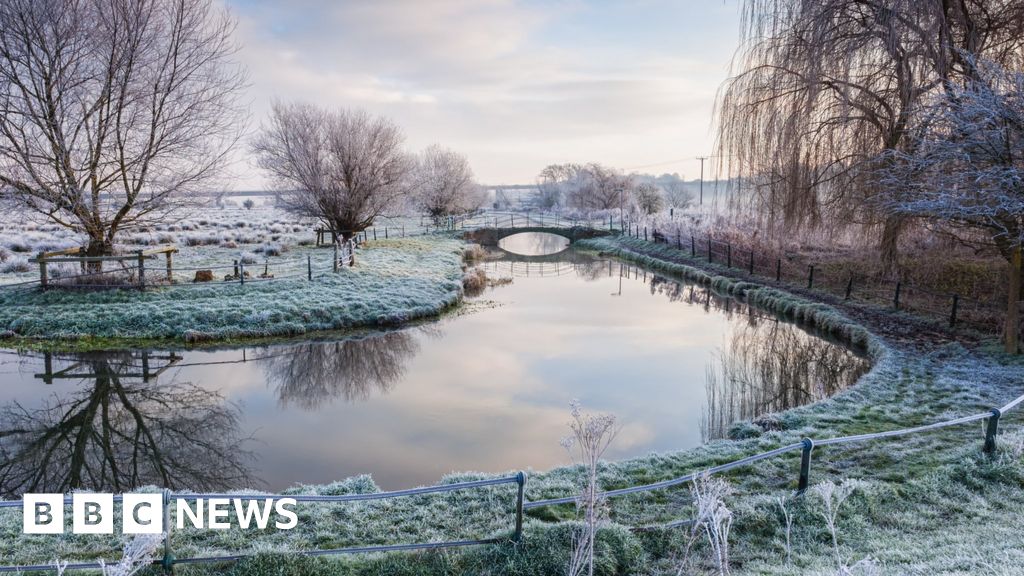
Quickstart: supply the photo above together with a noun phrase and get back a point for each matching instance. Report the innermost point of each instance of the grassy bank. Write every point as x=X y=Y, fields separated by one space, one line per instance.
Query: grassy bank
x=930 y=504
x=394 y=281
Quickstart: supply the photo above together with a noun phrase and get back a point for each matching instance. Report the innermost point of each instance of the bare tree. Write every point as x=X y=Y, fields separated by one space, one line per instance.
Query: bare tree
x=444 y=184
x=345 y=167
x=600 y=188
x=824 y=87
x=555 y=182
x=968 y=169
x=113 y=112
x=677 y=195
x=649 y=198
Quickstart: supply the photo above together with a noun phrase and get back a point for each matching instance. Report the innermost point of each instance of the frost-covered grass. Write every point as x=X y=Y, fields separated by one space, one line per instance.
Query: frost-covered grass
x=394 y=281
x=932 y=504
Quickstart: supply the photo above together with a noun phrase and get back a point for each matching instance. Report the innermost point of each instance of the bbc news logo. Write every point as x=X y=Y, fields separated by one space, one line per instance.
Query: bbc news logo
x=144 y=513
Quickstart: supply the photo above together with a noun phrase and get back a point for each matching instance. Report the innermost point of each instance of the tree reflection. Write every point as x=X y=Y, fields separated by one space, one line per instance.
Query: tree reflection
x=122 y=430
x=311 y=374
x=770 y=366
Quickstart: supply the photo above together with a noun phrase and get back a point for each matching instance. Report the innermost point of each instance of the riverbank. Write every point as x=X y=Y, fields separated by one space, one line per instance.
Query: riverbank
x=393 y=282
x=931 y=503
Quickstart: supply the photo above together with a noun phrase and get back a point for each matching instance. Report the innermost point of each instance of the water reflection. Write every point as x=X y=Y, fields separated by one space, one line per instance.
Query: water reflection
x=409 y=406
x=310 y=375
x=768 y=366
x=121 y=428
x=533 y=243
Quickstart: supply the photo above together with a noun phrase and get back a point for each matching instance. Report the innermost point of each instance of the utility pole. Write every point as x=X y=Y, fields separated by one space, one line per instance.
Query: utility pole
x=702 y=159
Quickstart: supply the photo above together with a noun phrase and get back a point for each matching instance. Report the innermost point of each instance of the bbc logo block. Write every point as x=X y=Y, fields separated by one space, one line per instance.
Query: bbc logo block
x=92 y=514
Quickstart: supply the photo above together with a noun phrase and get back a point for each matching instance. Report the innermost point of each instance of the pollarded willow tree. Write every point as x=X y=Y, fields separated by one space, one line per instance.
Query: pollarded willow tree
x=823 y=87
x=114 y=113
x=345 y=168
x=967 y=169
x=585 y=187
x=444 y=184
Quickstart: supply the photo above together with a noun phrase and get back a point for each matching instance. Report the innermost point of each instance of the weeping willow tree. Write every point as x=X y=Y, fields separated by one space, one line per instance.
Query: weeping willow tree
x=821 y=89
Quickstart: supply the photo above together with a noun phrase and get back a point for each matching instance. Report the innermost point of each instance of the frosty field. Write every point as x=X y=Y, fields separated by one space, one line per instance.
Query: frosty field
x=394 y=281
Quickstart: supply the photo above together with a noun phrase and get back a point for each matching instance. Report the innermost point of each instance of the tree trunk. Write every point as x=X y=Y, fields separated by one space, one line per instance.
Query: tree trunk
x=1013 y=303
x=889 y=245
x=97 y=247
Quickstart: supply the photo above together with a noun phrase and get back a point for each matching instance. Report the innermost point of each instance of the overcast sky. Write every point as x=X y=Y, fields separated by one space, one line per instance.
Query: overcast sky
x=515 y=85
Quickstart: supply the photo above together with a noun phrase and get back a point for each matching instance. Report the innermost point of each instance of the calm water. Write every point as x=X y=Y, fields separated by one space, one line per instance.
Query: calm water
x=486 y=389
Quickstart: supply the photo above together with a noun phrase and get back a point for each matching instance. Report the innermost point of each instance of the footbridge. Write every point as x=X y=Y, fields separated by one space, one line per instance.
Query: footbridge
x=489 y=228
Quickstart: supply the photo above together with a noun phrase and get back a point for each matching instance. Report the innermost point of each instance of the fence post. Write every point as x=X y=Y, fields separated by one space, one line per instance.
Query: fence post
x=168 y=560
x=990 y=432
x=778 y=269
x=751 y=262
x=241 y=272
x=374 y=233
x=693 y=247
x=41 y=258
x=952 y=311
x=710 y=259
x=849 y=288
x=896 y=297
x=142 y=268
x=679 y=241
x=805 y=465
x=309 y=267
x=170 y=267
x=517 y=536
x=645 y=232
x=728 y=254
x=385 y=232
x=810 y=277
x=335 y=256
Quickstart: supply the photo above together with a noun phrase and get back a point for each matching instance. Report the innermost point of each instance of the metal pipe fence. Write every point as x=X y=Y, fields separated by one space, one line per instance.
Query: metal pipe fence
x=806 y=447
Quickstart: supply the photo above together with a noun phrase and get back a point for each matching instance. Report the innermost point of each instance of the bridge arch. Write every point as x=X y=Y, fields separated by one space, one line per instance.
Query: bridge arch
x=491 y=236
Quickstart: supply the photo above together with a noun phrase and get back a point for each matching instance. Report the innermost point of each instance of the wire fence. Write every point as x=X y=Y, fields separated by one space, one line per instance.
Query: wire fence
x=953 y=309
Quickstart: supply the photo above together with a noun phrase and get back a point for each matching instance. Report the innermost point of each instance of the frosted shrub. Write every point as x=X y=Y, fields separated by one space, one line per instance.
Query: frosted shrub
x=15 y=266
x=591 y=435
x=832 y=497
x=713 y=519
x=138 y=553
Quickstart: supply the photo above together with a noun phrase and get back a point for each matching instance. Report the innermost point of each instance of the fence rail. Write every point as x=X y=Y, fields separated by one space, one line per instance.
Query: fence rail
x=806 y=447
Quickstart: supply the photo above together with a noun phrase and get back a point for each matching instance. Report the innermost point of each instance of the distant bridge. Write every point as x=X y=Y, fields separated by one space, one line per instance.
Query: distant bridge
x=489 y=228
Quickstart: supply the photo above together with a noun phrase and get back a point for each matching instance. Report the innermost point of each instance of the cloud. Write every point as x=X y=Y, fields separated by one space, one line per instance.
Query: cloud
x=516 y=85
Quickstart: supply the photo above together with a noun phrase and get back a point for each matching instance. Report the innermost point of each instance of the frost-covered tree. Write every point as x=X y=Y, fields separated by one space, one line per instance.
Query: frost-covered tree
x=677 y=195
x=444 y=184
x=345 y=167
x=967 y=169
x=554 y=183
x=821 y=88
x=600 y=187
x=114 y=113
x=649 y=198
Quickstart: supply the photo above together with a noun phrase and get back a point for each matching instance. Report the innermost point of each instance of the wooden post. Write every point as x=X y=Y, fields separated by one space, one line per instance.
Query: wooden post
x=751 y=263
x=728 y=254
x=778 y=269
x=810 y=277
x=645 y=232
x=335 y=256
x=374 y=233
x=896 y=297
x=170 y=266
x=693 y=247
x=385 y=232
x=849 y=287
x=241 y=272
x=309 y=267
x=952 y=311
x=142 y=268
x=710 y=259
x=41 y=258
